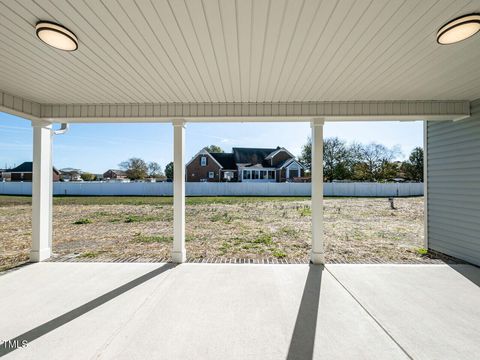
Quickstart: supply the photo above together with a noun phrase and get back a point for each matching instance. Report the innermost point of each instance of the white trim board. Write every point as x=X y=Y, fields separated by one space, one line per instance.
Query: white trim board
x=276 y=152
x=290 y=162
x=244 y=112
x=401 y=110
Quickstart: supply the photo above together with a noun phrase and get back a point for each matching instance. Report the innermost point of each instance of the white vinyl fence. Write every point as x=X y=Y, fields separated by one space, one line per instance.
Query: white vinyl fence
x=218 y=189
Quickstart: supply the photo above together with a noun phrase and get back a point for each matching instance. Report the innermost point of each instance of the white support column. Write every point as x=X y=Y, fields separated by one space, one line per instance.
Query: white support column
x=317 y=256
x=425 y=184
x=179 y=254
x=42 y=188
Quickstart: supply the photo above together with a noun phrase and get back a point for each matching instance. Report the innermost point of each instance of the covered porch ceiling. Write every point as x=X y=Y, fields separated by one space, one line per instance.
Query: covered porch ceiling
x=231 y=60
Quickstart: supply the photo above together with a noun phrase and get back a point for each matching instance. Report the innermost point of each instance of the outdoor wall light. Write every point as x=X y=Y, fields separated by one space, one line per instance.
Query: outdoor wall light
x=459 y=29
x=57 y=36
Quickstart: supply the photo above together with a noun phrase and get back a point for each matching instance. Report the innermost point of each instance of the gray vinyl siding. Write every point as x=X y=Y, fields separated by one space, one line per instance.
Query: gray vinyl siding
x=453 y=167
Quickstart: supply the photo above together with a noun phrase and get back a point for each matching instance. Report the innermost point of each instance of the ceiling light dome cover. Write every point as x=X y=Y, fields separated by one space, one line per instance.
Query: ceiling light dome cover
x=459 y=29
x=56 y=36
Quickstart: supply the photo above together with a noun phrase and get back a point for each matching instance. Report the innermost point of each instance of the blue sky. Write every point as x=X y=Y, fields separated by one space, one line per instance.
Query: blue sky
x=99 y=147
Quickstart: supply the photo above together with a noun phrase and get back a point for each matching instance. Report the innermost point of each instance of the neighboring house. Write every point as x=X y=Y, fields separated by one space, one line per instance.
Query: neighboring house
x=5 y=175
x=23 y=172
x=69 y=174
x=244 y=165
x=114 y=175
x=206 y=166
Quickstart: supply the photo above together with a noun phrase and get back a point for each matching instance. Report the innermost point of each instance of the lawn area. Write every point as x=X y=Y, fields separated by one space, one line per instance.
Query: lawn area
x=106 y=228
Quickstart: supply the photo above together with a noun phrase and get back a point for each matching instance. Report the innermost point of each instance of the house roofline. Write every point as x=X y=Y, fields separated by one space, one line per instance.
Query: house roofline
x=289 y=162
x=273 y=153
x=204 y=152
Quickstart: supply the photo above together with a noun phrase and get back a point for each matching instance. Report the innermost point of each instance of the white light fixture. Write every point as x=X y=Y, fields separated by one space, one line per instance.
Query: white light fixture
x=57 y=36
x=459 y=29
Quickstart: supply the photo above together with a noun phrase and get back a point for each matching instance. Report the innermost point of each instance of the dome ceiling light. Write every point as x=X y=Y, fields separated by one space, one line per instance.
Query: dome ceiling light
x=459 y=29
x=56 y=36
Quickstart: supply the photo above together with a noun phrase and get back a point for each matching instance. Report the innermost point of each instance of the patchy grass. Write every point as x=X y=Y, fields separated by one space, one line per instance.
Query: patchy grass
x=264 y=239
x=226 y=218
x=8 y=200
x=82 y=221
x=90 y=254
x=422 y=251
x=305 y=211
x=288 y=231
x=148 y=239
x=279 y=254
x=356 y=229
x=140 y=218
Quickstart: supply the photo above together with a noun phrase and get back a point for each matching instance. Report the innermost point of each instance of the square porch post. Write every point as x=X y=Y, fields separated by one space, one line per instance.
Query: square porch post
x=42 y=188
x=179 y=254
x=425 y=185
x=317 y=256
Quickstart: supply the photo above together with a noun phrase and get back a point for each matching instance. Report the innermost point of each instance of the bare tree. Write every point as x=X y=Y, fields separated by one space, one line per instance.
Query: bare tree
x=154 y=169
x=377 y=158
x=135 y=168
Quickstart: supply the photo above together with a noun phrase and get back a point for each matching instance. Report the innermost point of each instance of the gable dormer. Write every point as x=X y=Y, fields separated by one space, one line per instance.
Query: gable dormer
x=279 y=156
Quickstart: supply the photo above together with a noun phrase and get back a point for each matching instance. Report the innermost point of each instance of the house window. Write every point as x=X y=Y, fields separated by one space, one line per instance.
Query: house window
x=271 y=174
x=255 y=174
x=246 y=174
x=211 y=174
x=203 y=161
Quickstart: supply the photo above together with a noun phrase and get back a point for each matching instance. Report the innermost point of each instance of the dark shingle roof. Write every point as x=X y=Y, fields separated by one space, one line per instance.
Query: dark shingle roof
x=227 y=160
x=250 y=155
x=27 y=167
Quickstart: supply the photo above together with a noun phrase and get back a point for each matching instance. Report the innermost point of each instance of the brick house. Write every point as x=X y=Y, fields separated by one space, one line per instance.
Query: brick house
x=244 y=165
x=210 y=167
x=113 y=174
x=23 y=172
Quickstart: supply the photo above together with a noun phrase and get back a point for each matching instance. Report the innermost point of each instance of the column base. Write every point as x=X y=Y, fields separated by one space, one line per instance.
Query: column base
x=179 y=256
x=317 y=258
x=40 y=255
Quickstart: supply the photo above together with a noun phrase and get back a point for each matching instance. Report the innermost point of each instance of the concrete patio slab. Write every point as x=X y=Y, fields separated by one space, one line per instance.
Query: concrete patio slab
x=432 y=311
x=210 y=311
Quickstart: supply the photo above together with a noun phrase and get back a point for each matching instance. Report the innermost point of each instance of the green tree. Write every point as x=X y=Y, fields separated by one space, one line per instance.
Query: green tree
x=413 y=168
x=305 y=157
x=214 y=149
x=337 y=159
x=389 y=170
x=169 y=171
x=86 y=176
x=154 y=169
x=360 y=171
x=135 y=168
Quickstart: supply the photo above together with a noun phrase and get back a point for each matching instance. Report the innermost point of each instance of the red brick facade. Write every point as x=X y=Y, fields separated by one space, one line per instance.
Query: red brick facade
x=280 y=158
x=196 y=172
x=27 y=176
x=112 y=174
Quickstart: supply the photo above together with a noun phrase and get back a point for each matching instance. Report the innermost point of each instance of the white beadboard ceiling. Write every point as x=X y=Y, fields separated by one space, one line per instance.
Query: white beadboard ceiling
x=160 y=51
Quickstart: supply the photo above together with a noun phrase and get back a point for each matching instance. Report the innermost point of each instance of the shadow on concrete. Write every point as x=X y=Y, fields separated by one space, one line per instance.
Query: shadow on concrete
x=61 y=320
x=471 y=272
x=303 y=337
x=16 y=267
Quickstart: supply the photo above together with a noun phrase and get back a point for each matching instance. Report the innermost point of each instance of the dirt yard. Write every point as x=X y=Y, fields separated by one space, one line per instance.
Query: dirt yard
x=107 y=228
